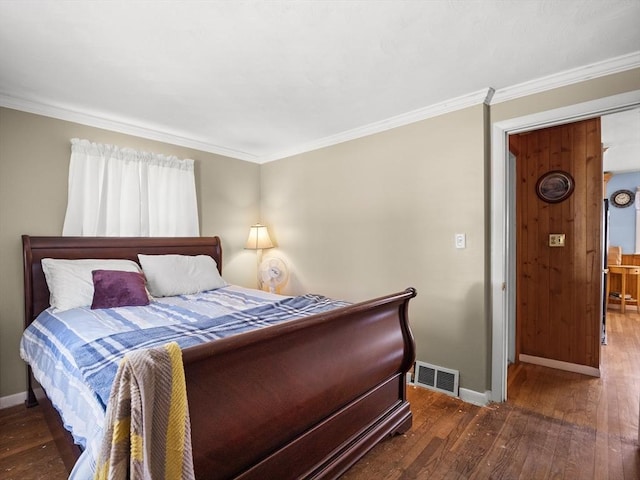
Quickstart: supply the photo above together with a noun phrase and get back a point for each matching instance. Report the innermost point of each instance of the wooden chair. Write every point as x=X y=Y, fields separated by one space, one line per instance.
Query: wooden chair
x=614 y=260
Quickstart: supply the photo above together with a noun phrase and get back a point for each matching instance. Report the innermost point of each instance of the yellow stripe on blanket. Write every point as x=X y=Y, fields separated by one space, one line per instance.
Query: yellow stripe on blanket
x=137 y=451
x=121 y=430
x=178 y=412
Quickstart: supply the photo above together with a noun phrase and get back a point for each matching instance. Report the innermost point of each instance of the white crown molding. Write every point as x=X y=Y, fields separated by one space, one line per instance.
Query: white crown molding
x=120 y=127
x=487 y=96
x=568 y=77
x=458 y=103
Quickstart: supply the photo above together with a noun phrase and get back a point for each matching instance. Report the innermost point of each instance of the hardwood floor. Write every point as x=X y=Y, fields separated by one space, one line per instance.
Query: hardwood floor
x=27 y=450
x=555 y=425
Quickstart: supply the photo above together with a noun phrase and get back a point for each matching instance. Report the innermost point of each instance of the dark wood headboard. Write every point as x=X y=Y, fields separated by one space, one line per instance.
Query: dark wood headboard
x=34 y=249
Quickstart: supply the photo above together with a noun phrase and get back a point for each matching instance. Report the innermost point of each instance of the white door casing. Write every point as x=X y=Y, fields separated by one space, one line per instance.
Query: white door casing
x=502 y=221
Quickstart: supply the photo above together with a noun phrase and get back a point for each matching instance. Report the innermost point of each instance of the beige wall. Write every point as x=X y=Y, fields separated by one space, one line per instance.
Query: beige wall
x=375 y=215
x=34 y=159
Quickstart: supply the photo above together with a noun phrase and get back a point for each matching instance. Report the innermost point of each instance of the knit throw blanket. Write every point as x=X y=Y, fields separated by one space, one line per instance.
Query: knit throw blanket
x=147 y=428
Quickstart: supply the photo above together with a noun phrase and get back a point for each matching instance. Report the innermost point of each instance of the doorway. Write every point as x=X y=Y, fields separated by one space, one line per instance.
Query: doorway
x=502 y=230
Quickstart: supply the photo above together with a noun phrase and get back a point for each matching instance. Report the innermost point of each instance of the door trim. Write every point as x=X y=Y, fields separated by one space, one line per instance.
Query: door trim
x=502 y=228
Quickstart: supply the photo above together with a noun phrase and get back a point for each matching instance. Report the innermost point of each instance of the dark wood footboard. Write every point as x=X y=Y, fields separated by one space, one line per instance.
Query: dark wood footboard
x=305 y=399
x=302 y=399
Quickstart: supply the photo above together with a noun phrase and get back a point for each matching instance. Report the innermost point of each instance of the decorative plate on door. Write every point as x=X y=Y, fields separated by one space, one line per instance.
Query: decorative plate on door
x=555 y=186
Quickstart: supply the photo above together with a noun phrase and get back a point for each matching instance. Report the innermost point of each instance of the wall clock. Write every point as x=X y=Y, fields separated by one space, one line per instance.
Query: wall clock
x=555 y=186
x=622 y=198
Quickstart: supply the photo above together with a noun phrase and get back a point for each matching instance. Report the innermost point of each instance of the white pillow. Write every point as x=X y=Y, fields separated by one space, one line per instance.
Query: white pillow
x=169 y=275
x=71 y=282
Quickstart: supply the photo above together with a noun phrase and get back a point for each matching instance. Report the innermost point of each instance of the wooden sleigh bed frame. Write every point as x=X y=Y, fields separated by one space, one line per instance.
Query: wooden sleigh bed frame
x=302 y=399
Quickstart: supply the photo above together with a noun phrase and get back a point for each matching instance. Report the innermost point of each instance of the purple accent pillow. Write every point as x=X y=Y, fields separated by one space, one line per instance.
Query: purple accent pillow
x=117 y=288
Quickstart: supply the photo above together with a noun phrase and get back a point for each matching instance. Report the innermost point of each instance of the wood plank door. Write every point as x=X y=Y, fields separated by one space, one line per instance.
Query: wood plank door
x=559 y=289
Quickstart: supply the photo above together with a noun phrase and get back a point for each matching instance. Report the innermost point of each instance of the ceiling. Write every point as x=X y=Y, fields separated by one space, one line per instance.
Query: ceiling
x=259 y=80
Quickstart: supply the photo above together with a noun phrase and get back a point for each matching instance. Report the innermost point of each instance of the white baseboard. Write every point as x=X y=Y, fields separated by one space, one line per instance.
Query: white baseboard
x=12 y=400
x=569 y=367
x=476 y=398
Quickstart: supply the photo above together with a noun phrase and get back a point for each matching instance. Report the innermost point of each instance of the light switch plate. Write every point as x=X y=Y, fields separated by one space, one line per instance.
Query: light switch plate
x=556 y=239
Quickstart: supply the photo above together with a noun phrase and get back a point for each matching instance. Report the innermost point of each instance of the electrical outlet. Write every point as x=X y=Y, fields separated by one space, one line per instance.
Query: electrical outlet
x=461 y=240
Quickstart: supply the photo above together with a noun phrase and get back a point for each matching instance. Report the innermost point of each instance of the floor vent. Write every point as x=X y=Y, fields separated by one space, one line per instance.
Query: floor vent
x=436 y=378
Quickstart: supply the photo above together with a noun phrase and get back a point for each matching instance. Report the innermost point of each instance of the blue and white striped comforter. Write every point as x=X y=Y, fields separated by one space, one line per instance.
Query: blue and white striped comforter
x=74 y=354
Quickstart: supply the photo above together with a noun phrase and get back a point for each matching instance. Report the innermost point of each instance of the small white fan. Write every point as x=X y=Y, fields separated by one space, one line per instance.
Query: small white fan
x=274 y=272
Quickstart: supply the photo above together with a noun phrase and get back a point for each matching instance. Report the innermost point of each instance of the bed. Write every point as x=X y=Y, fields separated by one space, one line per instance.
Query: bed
x=305 y=398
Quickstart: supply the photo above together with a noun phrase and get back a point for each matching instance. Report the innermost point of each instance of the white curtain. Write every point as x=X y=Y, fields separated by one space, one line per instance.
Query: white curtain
x=122 y=192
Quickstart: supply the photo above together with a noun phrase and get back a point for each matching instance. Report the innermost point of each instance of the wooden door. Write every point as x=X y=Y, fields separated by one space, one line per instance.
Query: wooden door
x=558 y=289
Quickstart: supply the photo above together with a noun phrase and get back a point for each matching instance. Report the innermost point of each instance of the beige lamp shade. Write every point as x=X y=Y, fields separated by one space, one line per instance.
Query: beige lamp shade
x=258 y=238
